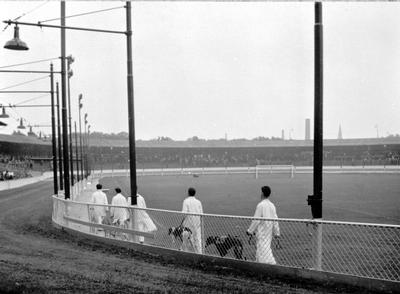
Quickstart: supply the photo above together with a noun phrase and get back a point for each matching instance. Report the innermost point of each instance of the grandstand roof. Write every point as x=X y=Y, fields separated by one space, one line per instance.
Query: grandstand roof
x=22 y=139
x=103 y=142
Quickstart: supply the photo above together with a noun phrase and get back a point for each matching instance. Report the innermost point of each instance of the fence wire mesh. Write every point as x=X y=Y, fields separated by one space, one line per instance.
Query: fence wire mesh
x=364 y=250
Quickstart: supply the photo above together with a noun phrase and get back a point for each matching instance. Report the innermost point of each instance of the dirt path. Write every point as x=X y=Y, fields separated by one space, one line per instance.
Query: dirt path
x=37 y=258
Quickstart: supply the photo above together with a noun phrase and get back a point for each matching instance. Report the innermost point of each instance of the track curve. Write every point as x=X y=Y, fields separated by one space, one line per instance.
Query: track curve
x=37 y=258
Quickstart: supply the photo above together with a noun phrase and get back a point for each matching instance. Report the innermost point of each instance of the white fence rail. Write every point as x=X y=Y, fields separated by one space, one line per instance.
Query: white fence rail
x=364 y=250
x=256 y=171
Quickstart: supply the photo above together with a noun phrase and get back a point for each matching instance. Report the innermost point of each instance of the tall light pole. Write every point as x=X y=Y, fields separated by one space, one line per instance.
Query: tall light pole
x=85 y=146
x=70 y=60
x=131 y=119
x=316 y=199
x=60 y=158
x=52 y=105
x=53 y=132
x=80 y=133
x=76 y=153
x=64 y=106
x=88 y=145
x=131 y=110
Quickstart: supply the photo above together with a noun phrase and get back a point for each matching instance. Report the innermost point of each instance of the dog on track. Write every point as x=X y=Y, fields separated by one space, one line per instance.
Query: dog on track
x=183 y=234
x=226 y=243
x=107 y=220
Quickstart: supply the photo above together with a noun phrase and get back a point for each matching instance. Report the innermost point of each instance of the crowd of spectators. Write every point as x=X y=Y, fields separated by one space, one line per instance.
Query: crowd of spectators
x=13 y=167
x=226 y=157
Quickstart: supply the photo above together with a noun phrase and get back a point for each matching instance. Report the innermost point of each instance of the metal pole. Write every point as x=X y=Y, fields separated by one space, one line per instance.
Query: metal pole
x=71 y=153
x=85 y=147
x=53 y=132
x=318 y=110
x=76 y=153
x=316 y=207
x=88 y=138
x=80 y=135
x=9 y=22
x=131 y=112
x=60 y=161
x=64 y=106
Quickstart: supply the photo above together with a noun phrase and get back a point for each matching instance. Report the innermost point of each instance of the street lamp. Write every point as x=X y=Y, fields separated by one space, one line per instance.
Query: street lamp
x=21 y=124
x=130 y=96
x=16 y=43
x=4 y=114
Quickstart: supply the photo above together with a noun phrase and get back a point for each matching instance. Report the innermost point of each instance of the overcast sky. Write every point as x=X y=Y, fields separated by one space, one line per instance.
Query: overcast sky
x=210 y=69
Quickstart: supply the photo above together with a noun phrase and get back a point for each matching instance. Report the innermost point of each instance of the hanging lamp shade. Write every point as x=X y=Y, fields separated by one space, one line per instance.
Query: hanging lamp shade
x=4 y=114
x=21 y=125
x=16 y=43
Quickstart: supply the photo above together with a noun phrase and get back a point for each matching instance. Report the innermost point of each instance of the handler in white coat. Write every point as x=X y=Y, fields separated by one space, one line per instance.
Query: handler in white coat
x=119 y=214
x=142 y=220
x=98 y=212
x=265 y=230
x=193 y=222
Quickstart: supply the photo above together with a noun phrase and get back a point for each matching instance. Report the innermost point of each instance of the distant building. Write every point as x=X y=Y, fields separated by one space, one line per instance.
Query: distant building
x=283 y=134
x=308 y=131
x=340 y=136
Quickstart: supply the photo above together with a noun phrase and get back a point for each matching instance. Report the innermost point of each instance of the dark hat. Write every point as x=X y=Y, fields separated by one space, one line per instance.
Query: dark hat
x=266 y=191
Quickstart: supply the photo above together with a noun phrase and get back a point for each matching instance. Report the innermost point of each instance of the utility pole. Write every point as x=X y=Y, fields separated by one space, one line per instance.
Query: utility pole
x=76 y=153
x=53 y=132
x=131 y=110
x=60 y=159
x=316 y=199
x=71 y=153
x=64 y=106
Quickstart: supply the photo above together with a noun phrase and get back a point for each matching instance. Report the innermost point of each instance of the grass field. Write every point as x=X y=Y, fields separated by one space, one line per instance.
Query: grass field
x=372 y=198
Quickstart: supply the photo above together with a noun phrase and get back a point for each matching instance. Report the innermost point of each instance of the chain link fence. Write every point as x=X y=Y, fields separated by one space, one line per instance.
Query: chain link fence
x=364 y=250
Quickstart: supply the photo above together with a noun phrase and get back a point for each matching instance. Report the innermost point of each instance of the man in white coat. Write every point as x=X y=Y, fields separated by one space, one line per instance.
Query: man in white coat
x=142 y=220
x=265 y=230
x=193 y=222
x=119 y=214
x=98 y=212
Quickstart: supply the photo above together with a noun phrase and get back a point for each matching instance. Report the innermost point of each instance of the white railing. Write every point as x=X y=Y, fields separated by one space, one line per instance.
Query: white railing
x=292 y=171
x=359 y=249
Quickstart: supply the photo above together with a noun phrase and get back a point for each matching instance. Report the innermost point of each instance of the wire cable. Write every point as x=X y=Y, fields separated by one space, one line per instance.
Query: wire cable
x=26 y=13
x=33 y=9
x=31 y=62
x=31 y=99
x=82 y=14
x=23 y=83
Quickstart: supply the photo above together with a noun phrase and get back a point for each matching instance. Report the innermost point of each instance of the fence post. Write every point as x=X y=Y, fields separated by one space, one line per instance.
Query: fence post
x=66 y=212
x=317 y=246
x=91 y=229
x=202 y=234
x=133 y=224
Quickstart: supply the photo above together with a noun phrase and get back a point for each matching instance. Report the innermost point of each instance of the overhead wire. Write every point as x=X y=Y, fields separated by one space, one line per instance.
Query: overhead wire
x=24 y=83
x=26 y=13
x=31 y=99
x=30 y=62
x=82 y=14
